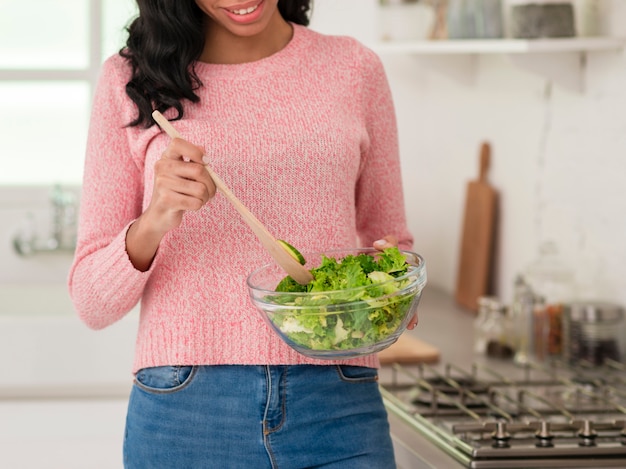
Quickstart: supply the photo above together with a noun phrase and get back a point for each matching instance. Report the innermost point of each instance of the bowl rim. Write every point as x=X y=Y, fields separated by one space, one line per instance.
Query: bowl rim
x=418 y=270
x=333 y=309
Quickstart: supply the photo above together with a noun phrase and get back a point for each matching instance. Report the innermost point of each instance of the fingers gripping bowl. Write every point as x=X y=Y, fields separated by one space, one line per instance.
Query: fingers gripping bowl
x=359 y=303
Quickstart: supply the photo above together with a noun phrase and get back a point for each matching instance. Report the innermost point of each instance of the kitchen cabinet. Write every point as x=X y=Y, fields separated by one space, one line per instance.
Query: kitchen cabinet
x=562 y=61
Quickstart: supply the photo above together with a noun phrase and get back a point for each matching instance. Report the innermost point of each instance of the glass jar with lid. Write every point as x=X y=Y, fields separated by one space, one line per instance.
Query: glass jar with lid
x=481 y=322
x=593 y=332
x=552 y=281
x=492 y=329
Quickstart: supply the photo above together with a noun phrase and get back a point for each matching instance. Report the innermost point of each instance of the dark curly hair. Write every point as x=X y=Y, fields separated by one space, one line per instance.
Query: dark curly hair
x=163 y=42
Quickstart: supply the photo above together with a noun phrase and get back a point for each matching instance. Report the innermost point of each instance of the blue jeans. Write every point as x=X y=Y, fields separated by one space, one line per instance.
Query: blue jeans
x=257 y=417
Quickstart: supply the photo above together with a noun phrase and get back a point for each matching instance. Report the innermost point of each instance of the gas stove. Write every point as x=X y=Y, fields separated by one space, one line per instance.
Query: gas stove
x=532 y=416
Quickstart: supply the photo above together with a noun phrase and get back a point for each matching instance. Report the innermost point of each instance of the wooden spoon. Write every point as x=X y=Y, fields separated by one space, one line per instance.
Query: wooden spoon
x=283 y=258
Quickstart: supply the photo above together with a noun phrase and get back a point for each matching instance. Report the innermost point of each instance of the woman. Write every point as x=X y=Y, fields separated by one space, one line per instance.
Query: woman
x=301 y=127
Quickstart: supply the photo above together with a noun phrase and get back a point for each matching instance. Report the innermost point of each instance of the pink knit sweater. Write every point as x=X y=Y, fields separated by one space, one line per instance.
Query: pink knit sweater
x=306 y=138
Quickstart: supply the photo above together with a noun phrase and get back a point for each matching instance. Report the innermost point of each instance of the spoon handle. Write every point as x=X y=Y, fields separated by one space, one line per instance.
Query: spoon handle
x=297 y=271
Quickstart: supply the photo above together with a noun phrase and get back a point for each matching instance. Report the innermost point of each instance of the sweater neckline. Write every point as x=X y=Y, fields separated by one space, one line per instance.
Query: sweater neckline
x=271 y=63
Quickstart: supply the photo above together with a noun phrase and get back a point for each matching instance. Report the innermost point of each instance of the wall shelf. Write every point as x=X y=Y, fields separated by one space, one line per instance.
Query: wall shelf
x=560 y=60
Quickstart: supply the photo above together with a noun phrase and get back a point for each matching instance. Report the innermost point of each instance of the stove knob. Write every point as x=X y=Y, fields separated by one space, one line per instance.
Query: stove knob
x=587 y=434
x=544 y=436
x=500 y=436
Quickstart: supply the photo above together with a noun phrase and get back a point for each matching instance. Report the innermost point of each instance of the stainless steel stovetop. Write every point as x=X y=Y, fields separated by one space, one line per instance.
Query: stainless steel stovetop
x=536 y=416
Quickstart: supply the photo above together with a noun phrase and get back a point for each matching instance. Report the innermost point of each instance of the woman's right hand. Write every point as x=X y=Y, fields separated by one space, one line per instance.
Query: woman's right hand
x=181 y=183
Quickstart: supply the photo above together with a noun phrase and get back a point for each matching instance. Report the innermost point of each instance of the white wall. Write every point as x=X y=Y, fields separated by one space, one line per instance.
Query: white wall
x=559 y=157
x=559 y=161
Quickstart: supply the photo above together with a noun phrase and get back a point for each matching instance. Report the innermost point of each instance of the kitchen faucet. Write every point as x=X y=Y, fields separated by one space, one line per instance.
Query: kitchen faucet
x=63 y=235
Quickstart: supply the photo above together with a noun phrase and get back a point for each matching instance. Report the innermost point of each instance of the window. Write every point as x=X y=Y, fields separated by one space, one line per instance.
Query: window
x=50 y=57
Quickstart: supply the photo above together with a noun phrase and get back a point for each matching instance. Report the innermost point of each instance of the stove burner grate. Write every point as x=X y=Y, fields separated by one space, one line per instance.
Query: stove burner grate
x=544 y=416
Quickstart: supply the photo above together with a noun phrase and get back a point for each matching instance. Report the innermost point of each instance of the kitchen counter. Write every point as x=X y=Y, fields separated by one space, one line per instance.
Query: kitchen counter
x=445 y=325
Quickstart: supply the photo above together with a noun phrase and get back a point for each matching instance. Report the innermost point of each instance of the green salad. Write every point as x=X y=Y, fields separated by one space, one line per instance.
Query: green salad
x=322 y=321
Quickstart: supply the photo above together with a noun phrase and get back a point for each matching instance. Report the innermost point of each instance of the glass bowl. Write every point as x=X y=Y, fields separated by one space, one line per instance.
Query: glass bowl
x=339 y=324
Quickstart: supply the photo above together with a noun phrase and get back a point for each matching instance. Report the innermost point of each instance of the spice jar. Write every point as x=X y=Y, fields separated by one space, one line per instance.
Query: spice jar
x=547 y=329
x=551 y=279
x=593 y=332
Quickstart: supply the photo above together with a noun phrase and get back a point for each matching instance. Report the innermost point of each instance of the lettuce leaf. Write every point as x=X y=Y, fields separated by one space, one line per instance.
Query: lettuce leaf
x=322 y=322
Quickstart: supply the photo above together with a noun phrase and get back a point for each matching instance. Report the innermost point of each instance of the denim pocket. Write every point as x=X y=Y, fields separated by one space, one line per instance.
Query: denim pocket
x=357 y=374
x=164 y=379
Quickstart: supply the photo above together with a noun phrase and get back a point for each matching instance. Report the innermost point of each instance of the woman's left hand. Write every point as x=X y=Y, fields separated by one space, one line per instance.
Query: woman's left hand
x=388 y=242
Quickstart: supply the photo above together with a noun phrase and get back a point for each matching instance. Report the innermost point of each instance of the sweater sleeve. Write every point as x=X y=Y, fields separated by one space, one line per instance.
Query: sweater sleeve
x=103 y=284
x=379 y=195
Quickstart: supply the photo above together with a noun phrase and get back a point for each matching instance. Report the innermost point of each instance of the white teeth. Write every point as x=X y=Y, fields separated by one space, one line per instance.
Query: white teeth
x=244 y=11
